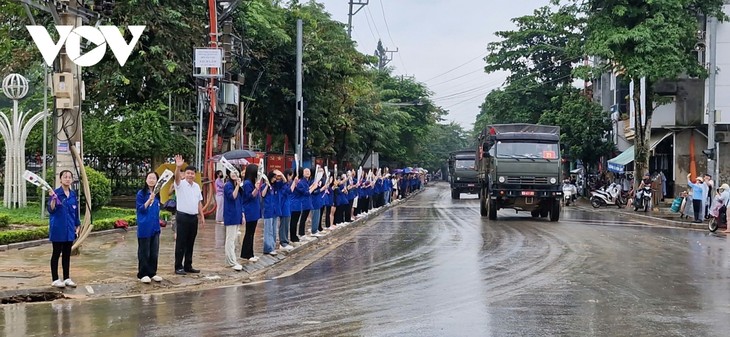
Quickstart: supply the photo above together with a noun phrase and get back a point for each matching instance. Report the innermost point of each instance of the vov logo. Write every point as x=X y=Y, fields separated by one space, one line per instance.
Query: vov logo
x=100 y=36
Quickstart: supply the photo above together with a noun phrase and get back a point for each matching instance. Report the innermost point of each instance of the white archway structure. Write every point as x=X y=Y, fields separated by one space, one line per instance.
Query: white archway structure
x=15 y=133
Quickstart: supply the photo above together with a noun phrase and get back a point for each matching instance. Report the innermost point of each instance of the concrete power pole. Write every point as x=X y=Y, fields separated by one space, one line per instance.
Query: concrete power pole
x=67 y=89
x=353 y=3
x=712 y=163
x=384 y=55
x=300 y=103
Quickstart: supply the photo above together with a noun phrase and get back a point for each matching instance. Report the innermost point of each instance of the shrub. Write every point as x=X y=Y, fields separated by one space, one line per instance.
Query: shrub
x=4 y=220
x=20 y=235
x=100 y=187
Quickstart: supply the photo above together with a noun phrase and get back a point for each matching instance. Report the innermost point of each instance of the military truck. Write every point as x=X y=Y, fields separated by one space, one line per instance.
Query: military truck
x=519 y=167
x=462 y=174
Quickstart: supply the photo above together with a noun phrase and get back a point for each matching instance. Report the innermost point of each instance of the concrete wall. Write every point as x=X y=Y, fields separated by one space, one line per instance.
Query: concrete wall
x=722 y=101
x=682 y=158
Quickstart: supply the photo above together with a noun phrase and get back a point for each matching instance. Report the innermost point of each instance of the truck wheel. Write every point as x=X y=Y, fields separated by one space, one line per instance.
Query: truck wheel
x=535 y=213
x=455 y=194
x=555 y=211
x=483 y=210
x=712 y=225
x=492 y=209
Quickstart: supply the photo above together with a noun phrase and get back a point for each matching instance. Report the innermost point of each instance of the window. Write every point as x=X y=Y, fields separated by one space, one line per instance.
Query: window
x=522 y=150
x=463 y=164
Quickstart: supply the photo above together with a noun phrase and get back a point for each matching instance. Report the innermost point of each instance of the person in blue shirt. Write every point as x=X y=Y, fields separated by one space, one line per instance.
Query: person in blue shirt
x=303 y=191
x=699 y=191
x=251 y=209
x=64 y=223
x=232 y=217
x=148 y=230
x=328 y=202
x=342 y=204
x=286 y=212
x=387 y=188
x=272 y=210
x=318 y=188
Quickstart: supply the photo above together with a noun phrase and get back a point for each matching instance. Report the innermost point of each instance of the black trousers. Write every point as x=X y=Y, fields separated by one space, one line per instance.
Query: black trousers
x=348 y=216
x=187 y=231
x=247 y=247
x=63 y=250
x=293 y=221
x=303 y=222
x=327 y=219
x=697 y=206
x=148 y=250
x=341 y=213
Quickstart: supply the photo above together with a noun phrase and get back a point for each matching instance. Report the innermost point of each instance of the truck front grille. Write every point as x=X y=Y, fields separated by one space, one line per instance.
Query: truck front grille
x=527 y=180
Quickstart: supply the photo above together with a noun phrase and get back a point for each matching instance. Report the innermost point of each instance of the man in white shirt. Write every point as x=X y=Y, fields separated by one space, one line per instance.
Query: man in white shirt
x=189 y=214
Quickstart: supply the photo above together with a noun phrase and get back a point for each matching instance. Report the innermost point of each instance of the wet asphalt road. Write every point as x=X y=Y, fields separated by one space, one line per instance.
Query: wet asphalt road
x=434 y=267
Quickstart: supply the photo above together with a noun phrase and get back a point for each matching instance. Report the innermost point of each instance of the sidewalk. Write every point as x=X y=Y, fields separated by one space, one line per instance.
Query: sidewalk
x=661 y=216
x=107 y=264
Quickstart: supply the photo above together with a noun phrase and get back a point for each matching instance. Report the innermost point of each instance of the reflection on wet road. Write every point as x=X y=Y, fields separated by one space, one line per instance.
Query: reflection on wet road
x=434 y=267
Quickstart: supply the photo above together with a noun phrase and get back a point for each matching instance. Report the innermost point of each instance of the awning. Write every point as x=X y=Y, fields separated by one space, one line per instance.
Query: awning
x=618 y=163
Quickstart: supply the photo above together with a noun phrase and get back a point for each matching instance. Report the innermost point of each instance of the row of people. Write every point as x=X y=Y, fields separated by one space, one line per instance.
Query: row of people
x=287 y=201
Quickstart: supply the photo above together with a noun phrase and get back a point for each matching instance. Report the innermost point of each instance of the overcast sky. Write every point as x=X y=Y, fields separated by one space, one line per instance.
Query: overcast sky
x=433 y=38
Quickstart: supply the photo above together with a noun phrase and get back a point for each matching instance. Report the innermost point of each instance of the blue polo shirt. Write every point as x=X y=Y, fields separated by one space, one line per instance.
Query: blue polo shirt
x=64 y=218
x=251 y=204
x=148 y=218
x=232 y=207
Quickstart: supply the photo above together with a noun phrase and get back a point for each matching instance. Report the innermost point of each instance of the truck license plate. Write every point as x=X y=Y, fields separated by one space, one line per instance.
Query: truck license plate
x=528 y=193
x=470 y=185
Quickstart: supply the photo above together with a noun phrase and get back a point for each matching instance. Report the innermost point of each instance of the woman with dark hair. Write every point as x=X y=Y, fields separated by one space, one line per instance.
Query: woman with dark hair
x=286 y=212
x=251 y=209
x=148 y=230
x=64 y=223
x=219 y=202
x=232 y=217
x=272 y=210
x=304 y=191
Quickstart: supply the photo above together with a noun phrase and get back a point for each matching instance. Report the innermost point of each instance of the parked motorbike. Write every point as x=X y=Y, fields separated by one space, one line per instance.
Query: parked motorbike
x=607 y=196
x=643 y=199
x=720 y=221
x=569 y=193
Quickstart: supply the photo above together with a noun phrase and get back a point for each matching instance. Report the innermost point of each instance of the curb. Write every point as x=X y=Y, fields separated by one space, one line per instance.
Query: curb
x=647 y=219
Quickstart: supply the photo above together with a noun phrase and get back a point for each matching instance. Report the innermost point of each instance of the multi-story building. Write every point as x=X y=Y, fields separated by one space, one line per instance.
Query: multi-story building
x=678 y=125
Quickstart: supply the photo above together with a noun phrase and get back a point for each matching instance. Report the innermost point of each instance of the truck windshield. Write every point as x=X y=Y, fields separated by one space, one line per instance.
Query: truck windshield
x=527 y=150
x=464 y=164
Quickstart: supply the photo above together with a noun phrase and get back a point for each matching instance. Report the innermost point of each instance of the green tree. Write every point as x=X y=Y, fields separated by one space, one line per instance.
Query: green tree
x=583 y=126
x=647 y=39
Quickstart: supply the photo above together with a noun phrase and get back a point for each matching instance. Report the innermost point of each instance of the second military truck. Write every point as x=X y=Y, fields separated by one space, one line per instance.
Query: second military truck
x=462 y=174
x=519 y=167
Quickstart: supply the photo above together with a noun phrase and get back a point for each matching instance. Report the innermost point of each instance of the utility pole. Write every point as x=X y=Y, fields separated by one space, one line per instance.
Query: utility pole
x=712 y=163
x=384 y=55
x=353 y=3
x=67 y=87
x=300 y=103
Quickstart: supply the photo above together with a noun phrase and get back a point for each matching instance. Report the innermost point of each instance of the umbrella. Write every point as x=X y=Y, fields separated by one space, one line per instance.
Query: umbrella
x=239 y=154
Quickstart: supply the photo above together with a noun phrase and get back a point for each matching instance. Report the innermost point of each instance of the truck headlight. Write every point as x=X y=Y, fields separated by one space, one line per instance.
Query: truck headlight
x=458 y=178
x=553 y=180
x=502 y=180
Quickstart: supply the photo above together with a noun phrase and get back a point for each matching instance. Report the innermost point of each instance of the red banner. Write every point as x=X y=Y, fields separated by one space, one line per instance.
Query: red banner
x=275 y=162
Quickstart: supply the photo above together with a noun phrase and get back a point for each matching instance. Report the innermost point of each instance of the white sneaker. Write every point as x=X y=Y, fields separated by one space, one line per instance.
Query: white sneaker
x=317 y=235
x=238 y=267
x=288 y=248
x=156 y=278
x=58 y=284
x=69 y=283
x=273 y=253
x=254 y=259
x=145 y=279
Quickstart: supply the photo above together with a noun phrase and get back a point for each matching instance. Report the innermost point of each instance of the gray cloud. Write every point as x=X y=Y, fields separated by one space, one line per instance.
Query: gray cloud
x=435 y=36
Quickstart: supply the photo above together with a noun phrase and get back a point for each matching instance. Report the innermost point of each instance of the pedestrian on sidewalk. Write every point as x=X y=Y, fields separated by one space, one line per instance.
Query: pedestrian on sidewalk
x=232 y=217
x=272 y=210
x=286 y=213
x=304 y=195
x=699 y=193
x=63 y=224
x=219 y=202
x=251 y=209
x=189 y=214
x=148 y=230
